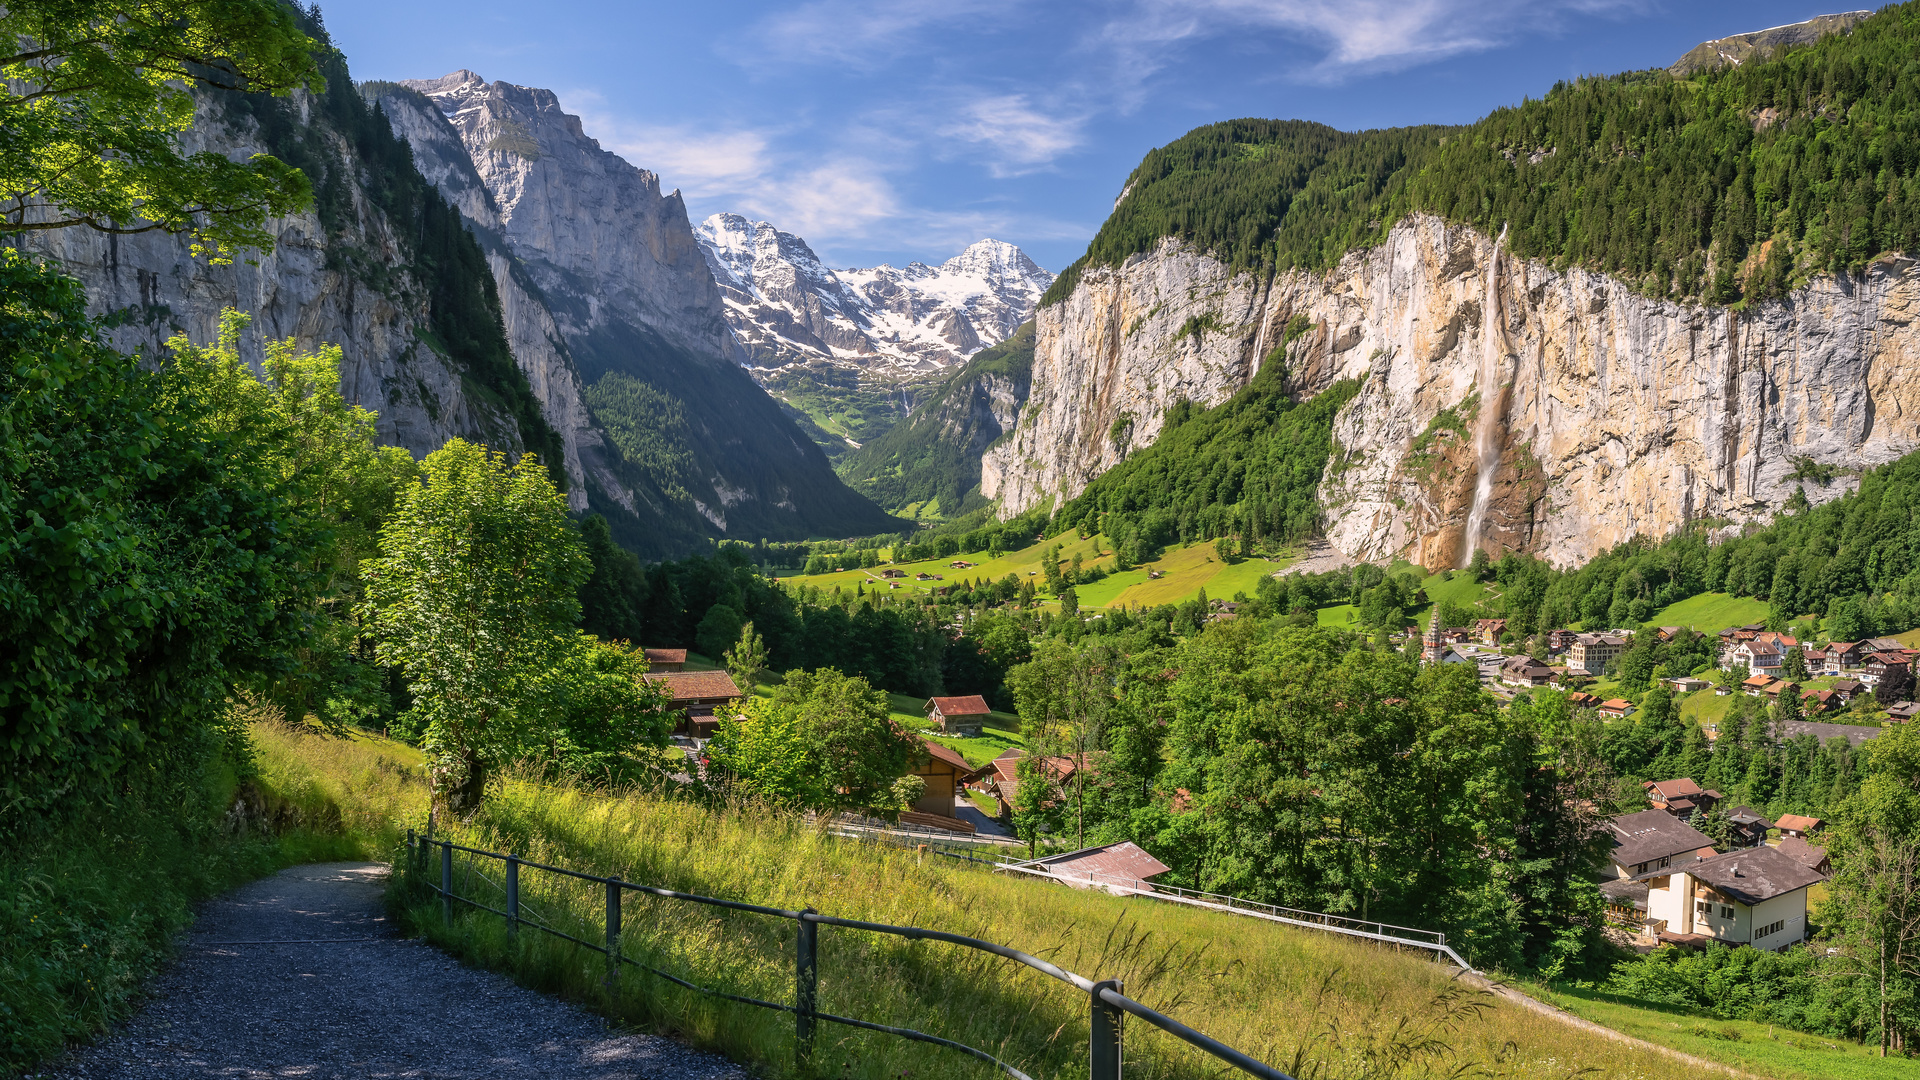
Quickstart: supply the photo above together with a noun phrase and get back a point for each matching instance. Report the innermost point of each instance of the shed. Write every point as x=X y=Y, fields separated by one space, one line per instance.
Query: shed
x=1123 y=867
x=963 y=716
x=944 y=772
x=665 y=659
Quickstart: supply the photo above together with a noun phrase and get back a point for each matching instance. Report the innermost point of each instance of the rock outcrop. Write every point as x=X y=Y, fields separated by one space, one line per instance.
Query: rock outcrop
x=1616 y=414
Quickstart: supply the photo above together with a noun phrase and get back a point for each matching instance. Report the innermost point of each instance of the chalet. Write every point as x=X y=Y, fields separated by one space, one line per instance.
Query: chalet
x=1755 y=685
x=1121 y=868
x=1654 y=840
x=945 y=772
x=1003 y=781
x=1488 y=631
x=1847 y=689
x=1902 y=711
x=1559 y=641
x=1580 y=699
x=1667 y=633
x=1590 y=653
x=1747 y=826
x=665 y=659
x=892 y=572
x=1779 y=688
x=1798 y=825
x=1679 y=797
x=1626 y=902
x=1881 y=644
x=961 y=564
x=1808 y=855
x=1686 y=684
x=1753 y=896
x=1820 y=701
x=928 y=577
x=1525 y=671
x=1617 y=709
x=962 y=716
x=1842 y=656
x=1459 y=635
x=695 y=695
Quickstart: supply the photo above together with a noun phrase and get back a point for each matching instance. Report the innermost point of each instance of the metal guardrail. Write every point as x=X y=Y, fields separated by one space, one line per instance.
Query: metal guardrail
x=1432 y=940
x=1108 y=1005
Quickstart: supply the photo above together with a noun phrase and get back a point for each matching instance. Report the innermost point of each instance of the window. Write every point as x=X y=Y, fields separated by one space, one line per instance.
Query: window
x=1701 y=907
x=1772 y=928
x=1726 y=912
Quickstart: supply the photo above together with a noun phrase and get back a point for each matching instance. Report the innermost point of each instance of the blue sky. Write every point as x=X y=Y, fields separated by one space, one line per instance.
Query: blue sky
x=893 y=130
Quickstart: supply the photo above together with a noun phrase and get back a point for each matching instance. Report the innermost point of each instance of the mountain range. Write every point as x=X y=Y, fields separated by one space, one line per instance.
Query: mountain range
x=851 y=351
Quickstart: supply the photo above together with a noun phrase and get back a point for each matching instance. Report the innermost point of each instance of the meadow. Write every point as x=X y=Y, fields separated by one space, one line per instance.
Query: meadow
x=1710 y=613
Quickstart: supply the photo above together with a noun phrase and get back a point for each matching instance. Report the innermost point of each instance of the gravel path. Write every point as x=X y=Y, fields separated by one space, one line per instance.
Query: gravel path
x=364 y=1003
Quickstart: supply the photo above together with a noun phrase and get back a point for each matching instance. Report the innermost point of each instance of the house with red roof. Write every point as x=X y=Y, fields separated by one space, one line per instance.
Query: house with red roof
x=960 y=716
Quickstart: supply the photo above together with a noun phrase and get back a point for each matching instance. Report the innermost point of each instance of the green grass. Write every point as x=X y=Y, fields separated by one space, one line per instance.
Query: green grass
x=1271 y=990
x=1001 y=734
x=1185 y=571
x=1705 y=706
x=1757 y=1048
x=1710 y=613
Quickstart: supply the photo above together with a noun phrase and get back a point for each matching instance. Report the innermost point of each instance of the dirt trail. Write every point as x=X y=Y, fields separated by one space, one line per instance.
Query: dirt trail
x=301 y=974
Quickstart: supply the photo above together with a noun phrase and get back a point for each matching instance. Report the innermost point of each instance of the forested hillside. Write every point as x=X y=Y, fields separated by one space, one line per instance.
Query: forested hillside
x=1723 y=185
x=931 y=460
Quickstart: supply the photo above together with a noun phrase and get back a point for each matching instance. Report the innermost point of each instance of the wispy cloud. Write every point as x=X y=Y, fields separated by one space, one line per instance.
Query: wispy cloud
x=862 y=33
x=1014 y=137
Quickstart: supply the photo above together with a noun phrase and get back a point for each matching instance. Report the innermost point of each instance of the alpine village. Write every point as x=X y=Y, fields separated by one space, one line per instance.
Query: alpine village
x=1427 y=601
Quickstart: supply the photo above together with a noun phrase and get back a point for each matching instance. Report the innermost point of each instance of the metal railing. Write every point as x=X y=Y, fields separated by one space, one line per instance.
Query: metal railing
x=1108 y=1005
x=1409 y=936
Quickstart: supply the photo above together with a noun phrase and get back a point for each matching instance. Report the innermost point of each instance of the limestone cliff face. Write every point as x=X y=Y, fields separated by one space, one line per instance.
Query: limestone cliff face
x=1612 y=414
x=599 y=238
x=152 y=281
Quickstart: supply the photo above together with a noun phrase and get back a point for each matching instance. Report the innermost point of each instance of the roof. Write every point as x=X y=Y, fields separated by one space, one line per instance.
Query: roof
x=1853 y=733
x=1747 y=815
x=696 y=685
x=1806 y=854
x=1653 y=834
x=1125 y=863
x=1616 y=703
x=1751 y=875
x=970 y=705
x=1798 y=821
x=1625 y=891
x=665 y=656
x=1670 y=789
x=948 y=756
x=1757 y=680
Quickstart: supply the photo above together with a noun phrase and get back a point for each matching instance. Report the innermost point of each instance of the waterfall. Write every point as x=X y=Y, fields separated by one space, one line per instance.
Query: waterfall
x=1486 y=433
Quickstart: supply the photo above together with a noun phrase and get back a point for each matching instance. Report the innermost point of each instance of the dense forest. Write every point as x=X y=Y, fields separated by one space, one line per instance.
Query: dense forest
x=1727 y=184
x=933 y=456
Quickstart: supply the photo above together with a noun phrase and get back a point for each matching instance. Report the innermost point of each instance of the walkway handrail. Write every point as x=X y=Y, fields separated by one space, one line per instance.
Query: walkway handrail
x=1107 y=1003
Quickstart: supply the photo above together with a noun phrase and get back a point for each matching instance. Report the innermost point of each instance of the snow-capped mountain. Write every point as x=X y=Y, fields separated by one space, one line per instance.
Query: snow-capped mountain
x=787 y=307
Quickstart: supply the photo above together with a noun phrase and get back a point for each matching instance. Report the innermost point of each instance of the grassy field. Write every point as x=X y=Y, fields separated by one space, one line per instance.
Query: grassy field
x=1001 y=735
x=1757 y=1048
x=1185 y=571
x=1711 y=612
x=1313 y=1004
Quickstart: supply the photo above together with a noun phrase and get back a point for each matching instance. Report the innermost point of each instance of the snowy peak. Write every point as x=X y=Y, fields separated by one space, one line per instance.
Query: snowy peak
x=788 y=307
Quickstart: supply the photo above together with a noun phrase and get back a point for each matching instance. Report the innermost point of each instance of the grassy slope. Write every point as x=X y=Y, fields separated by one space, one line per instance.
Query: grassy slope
x=1711 y=612
x=1187 y=570
x=1757 y=1048
x=1265 y=988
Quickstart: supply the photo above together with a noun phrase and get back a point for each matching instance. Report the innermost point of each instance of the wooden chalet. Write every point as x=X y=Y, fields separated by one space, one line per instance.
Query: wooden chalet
x=945 y=772
x=1747 y=826
x=695 y=695
x=1617 y=708
x=1681 y=797
x=962 y=716
x=1799 y=825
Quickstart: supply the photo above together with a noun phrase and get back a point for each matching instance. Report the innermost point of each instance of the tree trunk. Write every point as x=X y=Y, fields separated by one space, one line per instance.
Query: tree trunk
x=459 y=790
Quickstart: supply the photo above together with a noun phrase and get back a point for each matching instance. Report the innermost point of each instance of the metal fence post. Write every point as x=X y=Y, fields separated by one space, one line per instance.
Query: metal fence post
x=1104 y=1044
x=806 y=985
x=513 y=895
x=446 y=882
x=613 y=936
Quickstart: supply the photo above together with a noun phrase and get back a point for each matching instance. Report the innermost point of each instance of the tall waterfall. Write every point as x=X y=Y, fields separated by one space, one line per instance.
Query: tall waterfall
x=1486 y=433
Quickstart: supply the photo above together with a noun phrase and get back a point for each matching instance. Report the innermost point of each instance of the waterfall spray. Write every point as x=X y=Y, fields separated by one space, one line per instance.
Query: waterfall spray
x=1486 y=437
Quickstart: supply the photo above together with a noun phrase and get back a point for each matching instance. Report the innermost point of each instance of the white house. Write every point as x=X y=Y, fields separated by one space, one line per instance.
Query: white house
x=1752 y=896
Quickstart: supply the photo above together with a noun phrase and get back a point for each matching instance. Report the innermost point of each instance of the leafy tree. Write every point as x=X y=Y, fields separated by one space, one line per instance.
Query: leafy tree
x=824 y=740
x=761 y=752
x=154 y=556
x=1036 y=801
x=719 y=628
x=473 y=599
x=1794 y=666
x=1064 y=696
x=595 y=712
x=611 y=599
x=746 y=659
x=1874 y=903
x=95 y=92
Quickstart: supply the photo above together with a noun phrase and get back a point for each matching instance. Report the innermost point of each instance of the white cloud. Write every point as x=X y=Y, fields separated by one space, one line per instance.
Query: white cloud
x=1017 y=137
x=862 y=33
x=1357 y=35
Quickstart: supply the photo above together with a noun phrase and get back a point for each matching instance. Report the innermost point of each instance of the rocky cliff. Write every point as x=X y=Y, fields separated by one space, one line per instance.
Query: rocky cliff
x=610 y=300
x=1607 y=413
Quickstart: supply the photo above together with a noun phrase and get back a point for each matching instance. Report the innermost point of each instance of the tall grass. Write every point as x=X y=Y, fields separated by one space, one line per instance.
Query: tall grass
x=90 y=905
x=1318 y=1005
